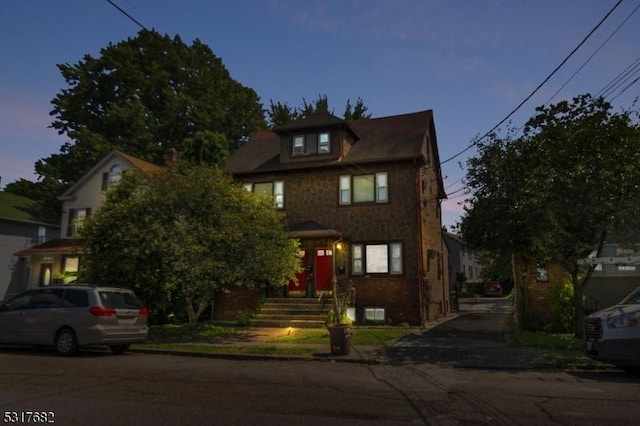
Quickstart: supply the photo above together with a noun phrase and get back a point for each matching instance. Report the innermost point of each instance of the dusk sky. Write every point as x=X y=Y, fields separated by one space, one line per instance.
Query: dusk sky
x=470 y=61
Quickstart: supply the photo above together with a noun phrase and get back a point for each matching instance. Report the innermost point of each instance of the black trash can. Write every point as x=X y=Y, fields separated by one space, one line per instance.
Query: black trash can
x=340 y=337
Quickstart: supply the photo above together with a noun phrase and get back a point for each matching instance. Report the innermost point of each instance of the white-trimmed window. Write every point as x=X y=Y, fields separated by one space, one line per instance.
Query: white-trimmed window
x=298 y=144
x=274 y=190
x=374 y=314
x=311 y=143
x=364 y=188
x=324 y=145
x=378 y=258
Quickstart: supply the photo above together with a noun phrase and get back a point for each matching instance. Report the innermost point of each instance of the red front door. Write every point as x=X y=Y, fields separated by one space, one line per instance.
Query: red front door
x=300 y=288
x=323 y=270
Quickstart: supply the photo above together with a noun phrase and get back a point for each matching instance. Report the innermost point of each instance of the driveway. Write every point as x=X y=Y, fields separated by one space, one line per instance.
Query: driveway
x=475 y=339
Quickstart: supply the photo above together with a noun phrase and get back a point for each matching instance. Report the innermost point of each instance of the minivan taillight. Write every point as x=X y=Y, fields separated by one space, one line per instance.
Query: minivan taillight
x=143 y=313
x=100 y=311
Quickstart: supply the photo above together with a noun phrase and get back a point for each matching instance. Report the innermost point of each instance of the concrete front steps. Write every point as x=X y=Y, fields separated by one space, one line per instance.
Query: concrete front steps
x=292 y=312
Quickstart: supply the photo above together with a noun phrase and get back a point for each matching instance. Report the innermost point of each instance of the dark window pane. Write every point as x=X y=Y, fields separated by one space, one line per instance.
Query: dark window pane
x=76 y=298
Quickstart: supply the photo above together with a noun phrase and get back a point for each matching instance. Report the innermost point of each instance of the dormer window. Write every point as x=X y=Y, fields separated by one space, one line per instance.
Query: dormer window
x=311 y=143
x=298 y=144
x=323 y=143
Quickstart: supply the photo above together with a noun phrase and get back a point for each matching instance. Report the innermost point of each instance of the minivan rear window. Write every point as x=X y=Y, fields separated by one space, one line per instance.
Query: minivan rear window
x=76 y=298
x=113 y=299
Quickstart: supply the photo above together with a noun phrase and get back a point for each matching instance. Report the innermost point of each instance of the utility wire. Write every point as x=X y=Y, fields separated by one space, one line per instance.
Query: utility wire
x=620 y=79
x=129 y=16
x=474 y=143
x=594 y=53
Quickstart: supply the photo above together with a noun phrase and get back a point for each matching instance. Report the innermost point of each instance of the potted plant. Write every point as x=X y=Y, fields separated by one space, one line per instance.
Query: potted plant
x=338 y=321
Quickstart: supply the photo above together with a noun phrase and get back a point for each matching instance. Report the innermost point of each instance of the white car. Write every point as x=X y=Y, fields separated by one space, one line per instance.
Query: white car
x=613 y=334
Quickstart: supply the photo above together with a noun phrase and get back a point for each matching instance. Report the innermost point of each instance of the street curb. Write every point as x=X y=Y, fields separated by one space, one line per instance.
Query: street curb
x=257 y=357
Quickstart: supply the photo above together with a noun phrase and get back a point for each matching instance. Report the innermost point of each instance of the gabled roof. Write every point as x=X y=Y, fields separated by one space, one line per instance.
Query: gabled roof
x=385 y=139
x=133 y=162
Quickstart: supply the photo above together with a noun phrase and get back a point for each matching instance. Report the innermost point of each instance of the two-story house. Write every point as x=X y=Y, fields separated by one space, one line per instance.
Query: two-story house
x=364 y=199
x=463 y=259
x=21 y=226
x=58 y=260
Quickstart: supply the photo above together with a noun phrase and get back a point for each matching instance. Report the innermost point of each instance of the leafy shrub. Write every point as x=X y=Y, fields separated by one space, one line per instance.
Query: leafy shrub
x=561 y=300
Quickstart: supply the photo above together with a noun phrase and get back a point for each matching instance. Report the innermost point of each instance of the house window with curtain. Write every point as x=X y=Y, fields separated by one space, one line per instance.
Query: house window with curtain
x=378 y=258
x=367 y=188
x=274 y=190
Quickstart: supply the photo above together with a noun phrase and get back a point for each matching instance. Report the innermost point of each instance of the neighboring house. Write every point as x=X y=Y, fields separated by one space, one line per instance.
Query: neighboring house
x=364 y=200
x=615 y=278
x=58 y=260
x=533 y=286
x=21 y=226
x=463 y=259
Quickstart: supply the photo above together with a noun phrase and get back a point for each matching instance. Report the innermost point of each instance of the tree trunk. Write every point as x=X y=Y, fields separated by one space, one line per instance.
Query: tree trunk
x=578 y=289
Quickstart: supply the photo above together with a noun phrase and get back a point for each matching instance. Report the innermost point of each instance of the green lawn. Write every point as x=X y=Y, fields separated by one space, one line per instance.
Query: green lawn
x=232 y=339
x=236 y=339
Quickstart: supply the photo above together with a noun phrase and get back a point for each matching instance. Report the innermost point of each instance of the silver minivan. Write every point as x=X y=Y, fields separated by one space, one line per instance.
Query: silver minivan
x=73 y=316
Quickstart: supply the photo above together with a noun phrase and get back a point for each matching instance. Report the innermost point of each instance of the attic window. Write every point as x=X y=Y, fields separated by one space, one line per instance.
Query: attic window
x=298 y=144
x=311 y=143
x=323 y=143
x=115 y=175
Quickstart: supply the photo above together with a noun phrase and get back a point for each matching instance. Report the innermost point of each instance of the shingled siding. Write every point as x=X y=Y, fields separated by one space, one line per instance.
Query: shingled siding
x=313 y=195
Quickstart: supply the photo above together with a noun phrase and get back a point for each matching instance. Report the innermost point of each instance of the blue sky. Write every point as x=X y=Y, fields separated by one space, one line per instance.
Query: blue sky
x=470 y=61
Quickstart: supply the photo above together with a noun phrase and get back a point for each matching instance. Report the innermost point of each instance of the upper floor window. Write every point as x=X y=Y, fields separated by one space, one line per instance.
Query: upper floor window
x=115 y=175
x=76 y=220
x=324 y=147
x=274 y=190
x=312 y=143
x=42 y=234
x=298 y=144
x=381 y=258
x=112 y=177
x=364 y=188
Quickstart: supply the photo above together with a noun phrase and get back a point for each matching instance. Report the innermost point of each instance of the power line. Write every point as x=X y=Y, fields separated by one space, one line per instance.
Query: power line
x=474 y=143
x=620 y=79
x=595 y=53
x=129 y=16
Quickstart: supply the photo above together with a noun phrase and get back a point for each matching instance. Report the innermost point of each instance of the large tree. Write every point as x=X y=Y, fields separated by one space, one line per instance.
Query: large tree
x=554 y=192
x=146 y=95
x=183 y=234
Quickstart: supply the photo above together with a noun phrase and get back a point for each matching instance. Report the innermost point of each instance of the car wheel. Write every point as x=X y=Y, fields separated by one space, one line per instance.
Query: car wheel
x=118 y=349
x=65 y=343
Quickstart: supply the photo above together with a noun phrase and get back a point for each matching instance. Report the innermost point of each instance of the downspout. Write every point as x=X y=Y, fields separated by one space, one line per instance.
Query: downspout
x=424 y=315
